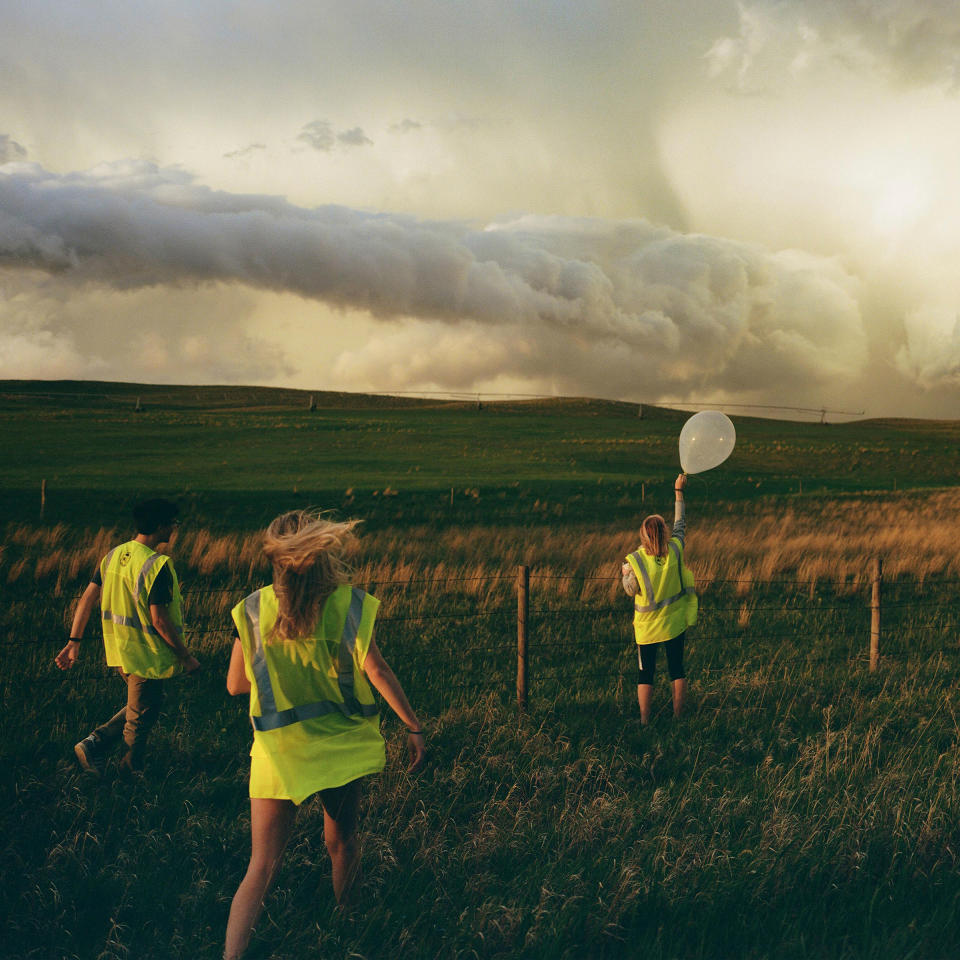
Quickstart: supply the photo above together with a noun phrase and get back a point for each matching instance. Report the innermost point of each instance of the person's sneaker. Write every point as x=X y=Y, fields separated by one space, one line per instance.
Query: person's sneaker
x=90 y=756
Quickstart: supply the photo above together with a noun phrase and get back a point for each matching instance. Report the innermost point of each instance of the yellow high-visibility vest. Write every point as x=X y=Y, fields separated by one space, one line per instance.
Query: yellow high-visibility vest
x=129 y=637
x=312 y=710
x=666 y=603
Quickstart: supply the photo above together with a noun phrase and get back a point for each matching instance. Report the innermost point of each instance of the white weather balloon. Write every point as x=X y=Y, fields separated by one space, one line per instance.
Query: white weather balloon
x=706 y=440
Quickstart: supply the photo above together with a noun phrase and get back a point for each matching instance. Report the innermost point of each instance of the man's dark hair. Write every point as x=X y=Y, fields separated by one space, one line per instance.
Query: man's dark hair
x=150 y=515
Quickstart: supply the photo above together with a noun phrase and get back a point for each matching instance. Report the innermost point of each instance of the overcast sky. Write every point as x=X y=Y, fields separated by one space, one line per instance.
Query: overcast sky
x=755 y=202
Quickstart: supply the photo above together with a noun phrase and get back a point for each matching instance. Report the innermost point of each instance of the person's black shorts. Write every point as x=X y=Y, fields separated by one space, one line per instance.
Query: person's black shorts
x=647 y=659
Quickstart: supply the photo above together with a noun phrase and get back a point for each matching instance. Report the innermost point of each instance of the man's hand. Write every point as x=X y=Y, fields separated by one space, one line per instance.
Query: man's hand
x=68 y=656
x=170 y=634
x=418 y=751
x=190 y=664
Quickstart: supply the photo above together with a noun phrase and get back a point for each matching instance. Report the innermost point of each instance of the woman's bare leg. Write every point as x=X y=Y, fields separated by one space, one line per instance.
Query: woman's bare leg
x=645 y=699
x=340 y=807
x=271 y=823
x=679 y=695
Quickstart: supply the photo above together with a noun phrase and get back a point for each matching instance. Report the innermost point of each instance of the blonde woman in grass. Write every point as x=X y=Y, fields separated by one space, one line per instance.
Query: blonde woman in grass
x=305 y=652
x=665 y=601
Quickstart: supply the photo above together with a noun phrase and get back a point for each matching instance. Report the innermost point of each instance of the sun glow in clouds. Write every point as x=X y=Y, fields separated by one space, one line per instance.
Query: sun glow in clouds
x=902 y=202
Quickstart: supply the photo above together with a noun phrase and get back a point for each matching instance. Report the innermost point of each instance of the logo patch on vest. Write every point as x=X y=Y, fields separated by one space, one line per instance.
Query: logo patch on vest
x=125 y=558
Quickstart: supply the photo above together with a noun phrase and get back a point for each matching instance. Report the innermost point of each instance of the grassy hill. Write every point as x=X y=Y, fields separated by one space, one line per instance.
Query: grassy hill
x=237 y=455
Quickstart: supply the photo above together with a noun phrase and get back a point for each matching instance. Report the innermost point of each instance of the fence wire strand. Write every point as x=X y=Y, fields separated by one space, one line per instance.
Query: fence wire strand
x=892 y=608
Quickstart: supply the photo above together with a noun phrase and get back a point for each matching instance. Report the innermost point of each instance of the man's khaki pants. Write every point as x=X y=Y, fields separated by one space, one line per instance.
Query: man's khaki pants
x=135 y=721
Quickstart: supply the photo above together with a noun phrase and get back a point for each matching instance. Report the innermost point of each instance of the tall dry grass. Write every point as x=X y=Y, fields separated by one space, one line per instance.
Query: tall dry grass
x=917 y=535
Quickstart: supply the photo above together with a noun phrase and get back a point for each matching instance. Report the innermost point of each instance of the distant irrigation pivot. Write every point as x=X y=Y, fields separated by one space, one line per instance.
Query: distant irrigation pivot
x=474 y=396
x=480 y=396
x=823 y=412
x=241 y=395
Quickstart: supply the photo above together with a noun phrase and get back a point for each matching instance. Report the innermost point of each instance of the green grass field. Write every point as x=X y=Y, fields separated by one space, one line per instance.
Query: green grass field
x=803 y=808
x=235 y=458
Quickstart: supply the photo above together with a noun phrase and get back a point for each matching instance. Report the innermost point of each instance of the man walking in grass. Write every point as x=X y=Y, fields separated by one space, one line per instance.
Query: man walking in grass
x=139 y=596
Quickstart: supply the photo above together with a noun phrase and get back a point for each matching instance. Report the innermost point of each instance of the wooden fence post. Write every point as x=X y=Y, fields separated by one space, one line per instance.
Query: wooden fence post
x=875 y=614
x=523 y=609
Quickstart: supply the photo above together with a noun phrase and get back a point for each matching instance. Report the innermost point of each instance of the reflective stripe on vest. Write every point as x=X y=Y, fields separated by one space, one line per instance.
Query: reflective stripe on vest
x=648 y=586
x=142 y=579
x=107 y=614
x=348 y=640
x=270 y=718
x=130 y=622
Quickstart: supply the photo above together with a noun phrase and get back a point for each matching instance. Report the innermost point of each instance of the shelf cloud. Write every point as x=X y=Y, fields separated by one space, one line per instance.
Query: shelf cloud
x=608 y=302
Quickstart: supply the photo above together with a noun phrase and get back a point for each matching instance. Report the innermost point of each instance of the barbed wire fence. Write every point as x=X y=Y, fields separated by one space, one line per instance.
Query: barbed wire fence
x=559 y=641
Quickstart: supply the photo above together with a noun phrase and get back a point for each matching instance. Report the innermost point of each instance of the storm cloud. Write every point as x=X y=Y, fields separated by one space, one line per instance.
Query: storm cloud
x=536 y=198
x=10 y=150
x=319 y=135
x=694 y=311
x=905 y=41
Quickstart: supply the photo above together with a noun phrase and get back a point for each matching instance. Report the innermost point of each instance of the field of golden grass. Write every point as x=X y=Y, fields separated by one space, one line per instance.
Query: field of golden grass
x=800 y=539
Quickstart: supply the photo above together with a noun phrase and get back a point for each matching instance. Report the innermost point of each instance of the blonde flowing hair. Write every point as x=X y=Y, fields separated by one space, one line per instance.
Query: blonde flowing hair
x=306 y=550
x=653 y=535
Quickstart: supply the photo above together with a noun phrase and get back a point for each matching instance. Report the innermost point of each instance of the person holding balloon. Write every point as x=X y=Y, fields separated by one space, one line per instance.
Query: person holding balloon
x=655 y=574
x=664 y=602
